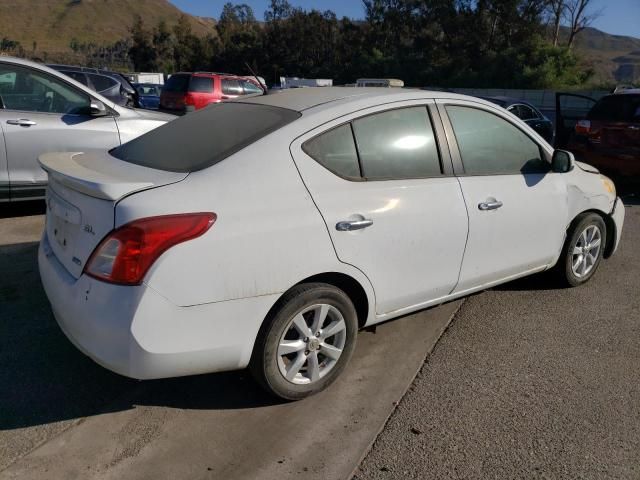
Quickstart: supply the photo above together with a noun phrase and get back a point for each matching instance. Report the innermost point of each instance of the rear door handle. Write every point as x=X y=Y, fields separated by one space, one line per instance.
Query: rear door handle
x=493 y=205
x=23 y=122
x=350 y=225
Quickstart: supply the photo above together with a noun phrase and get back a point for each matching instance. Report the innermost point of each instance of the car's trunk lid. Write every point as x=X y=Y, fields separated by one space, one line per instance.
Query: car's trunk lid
x=81 y=197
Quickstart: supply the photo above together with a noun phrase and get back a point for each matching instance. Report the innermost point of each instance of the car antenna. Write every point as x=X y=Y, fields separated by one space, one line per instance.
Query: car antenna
x=263 y=87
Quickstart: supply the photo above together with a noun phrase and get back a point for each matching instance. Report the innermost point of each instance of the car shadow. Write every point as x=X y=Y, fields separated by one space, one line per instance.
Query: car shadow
x=22 y=209
x=45 y=379
x=546 y=280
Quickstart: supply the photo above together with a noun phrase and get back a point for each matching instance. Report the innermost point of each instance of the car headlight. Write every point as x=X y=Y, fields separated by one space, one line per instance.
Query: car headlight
x=609 y=186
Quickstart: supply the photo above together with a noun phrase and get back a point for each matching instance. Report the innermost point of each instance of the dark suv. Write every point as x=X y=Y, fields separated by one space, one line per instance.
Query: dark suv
x=111 y=85
x=186 y=92
x=609 y=137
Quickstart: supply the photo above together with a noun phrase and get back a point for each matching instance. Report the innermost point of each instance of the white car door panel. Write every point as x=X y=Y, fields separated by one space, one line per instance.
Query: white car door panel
x=517 y=206
x=407 y=235
x=524 y=233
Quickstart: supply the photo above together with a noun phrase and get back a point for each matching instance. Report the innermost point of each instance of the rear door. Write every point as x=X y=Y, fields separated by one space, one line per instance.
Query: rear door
x=42 y=114
x=393 y=209
x=517 y=207
x=201 y=91
x=231 y=88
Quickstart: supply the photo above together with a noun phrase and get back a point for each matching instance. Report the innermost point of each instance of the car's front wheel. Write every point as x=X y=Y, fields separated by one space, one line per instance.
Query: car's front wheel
x=583 y=249
x=306 y=343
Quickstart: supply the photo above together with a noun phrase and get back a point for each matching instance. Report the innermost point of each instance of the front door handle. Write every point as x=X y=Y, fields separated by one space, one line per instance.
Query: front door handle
x=492 y=205
x=351 y=225
x=23 y=122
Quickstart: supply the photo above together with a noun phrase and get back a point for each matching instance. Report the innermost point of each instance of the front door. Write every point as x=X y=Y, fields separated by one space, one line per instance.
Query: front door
x=42 y=113
x=391 y=210
x=517 y=206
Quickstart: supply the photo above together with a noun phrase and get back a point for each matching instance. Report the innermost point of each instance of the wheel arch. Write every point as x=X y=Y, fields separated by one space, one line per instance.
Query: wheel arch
x=610 y=239
x=347 y=283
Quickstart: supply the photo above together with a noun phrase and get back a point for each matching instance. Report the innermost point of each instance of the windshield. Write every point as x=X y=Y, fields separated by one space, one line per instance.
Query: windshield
x=205 y=137
x=624 y=107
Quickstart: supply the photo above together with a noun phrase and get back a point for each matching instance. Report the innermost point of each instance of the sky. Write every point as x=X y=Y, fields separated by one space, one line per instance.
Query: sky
x=619 y=17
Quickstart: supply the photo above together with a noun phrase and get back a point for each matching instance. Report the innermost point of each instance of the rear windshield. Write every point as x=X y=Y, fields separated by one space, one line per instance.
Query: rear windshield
x=624 y=107
x=177 y=83
x=205 y=137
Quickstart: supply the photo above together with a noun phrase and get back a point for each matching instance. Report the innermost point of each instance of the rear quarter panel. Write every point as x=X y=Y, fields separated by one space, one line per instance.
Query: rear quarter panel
x=268 y=235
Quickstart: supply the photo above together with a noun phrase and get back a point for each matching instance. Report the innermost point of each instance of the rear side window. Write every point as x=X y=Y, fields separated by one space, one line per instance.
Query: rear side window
x=77 y=76
x=336 y=151
x=177 y=83
x=617 y=108
x=201 y=85
x=490 y=145
x=397 y=144
x=189 y=143
x=231 y=87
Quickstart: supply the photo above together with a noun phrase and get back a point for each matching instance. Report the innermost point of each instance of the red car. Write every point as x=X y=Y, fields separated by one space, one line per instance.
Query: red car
x=187 y=92
x=609 y=136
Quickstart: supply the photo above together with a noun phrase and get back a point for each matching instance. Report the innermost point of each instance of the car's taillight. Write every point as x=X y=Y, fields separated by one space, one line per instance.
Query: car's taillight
x=189 y=99
x=583 y=127
x=125 y=255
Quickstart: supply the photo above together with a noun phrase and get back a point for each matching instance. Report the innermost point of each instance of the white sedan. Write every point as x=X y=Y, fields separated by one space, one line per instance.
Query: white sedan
x=265 y=232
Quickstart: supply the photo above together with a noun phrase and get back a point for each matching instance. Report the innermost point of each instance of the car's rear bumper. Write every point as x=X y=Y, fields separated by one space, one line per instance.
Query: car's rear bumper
x=136 y=332
x=617 y=215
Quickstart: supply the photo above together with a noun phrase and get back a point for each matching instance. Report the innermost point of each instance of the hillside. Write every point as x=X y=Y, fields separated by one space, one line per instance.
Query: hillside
x=615 y=58
x=50 y=25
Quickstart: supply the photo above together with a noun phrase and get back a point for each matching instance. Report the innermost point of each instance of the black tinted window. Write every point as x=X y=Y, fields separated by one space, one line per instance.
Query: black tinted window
x=490 y=145
x=617 y=108
x=336 y=151
x=231 y=87
x=527 y=113
x=397 y=144
x=205 y=137
x=177 y=83
x=201 y=84
x=77 y=76
x=102 y=82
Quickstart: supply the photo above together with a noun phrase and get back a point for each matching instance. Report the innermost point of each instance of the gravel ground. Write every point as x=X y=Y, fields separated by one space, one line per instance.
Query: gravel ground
x=529 y=381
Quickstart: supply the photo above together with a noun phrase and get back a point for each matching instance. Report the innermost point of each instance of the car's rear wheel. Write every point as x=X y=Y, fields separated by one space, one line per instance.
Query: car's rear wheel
x=304 y=346
x=583 y=249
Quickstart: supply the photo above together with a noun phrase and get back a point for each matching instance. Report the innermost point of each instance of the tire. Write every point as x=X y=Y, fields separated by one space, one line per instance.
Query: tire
x=313 y=361
x=583 y=249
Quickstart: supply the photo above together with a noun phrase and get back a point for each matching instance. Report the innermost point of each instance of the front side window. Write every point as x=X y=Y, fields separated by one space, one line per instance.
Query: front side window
x=491 y=145
x=250 y=87
x=28 y=90
x=336 y=151
x=397 y=144
x=527 y=113
x=231 y=87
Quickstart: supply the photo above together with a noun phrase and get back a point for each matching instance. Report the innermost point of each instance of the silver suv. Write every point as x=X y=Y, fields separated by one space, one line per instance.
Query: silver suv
x=42 y=110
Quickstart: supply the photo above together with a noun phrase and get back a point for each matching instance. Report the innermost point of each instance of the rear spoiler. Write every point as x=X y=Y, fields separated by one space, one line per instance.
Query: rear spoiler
x=102 y=176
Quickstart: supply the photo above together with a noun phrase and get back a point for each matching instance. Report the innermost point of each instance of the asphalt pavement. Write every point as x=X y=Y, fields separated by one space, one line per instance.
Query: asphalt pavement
x=63 y=416
x=529 y=381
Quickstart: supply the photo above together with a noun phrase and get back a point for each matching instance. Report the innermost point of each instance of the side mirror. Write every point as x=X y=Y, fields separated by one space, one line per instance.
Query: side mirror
x=97 y=108
x=562 y=161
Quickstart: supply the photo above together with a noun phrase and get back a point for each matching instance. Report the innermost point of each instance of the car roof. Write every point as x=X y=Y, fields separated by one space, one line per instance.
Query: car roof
x=301 y=99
